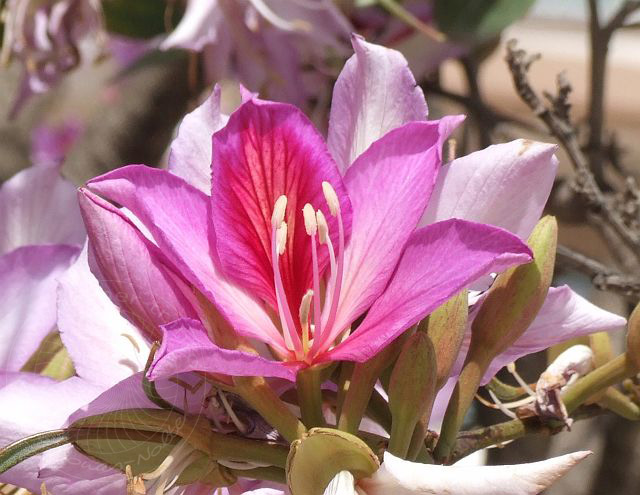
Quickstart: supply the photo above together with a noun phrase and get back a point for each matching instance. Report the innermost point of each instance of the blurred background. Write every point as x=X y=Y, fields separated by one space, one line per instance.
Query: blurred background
x=93 y=85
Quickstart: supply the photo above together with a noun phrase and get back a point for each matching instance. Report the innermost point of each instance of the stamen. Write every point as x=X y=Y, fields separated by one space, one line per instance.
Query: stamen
x=232 y=415
x=323 y=228
x=502 y=408
x=281 y=238
x=331 y=197
x=278 y=243
x=279 y=209
x=511 y=368
x=305 y=309
x=311 y=226
x=310 y=223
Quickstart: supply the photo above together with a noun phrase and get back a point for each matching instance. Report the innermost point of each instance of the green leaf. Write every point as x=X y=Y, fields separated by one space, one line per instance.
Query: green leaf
x=478 y=20
x=321 y=454
x=50 y=359
x=21 y=450
x=140 y=18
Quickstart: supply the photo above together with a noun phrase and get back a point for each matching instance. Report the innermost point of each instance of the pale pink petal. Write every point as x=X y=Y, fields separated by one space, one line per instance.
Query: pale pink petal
x=28 y=281
x=375 y=93
x=198 y=27
x=37 y=206
x=506 y=185
x=439 y=260
x=186 y=346
x=402 y=477
x=267 y=150
x=131 y=269
x=190 y=153
x=104 y=346
x=389 y=186
x=563 y=316
x=177 y=215
x=31 y=404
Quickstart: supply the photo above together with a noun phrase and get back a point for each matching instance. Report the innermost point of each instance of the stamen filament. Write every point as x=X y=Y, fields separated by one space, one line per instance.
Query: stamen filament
x=311 y=226
x=511 y=368
x=291 y=338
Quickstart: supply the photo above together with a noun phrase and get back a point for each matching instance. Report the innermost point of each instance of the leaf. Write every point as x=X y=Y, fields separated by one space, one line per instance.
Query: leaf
x=50 y=359
x=478 y=19
x=21 y=450
x=140 y=18
x=322 y=453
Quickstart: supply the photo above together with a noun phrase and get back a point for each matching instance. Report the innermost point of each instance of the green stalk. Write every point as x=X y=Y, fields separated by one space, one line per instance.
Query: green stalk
x=262 y=473
x=599 y=379
x=616 y=401
x=308 y=382
x=460 y=401
x=261 y=397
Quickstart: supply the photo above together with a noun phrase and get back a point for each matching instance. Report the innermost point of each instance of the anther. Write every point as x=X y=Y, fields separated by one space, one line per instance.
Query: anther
x=310 y=223
x=305 y=309
x=279 y=209
x=331 y=197
x=281 y=237
x=323 y=227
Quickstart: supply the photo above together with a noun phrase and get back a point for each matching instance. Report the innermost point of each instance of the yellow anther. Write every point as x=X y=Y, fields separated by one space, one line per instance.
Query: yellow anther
x=310 y=223
x=331 y=197
x=279 y=210
x=323 y=227
x=281 y=237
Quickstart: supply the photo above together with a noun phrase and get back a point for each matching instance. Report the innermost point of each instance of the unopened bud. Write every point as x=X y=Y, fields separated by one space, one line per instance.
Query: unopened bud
x=633 y=338
x=516 y=296
x=279 y=209
x=322 y=453
x=331 y=197
x=412 y=390
x=310 y=224
x=446 y=327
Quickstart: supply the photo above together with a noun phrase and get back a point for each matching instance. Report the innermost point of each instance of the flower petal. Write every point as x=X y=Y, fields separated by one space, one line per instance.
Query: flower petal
x=186 y=346
x=198 y=27
x=37 y=206
x=494 y=186
x=563 y=316
x=177 y=215
x=190 y=153
x=267 y=150
x=389 y=186
x=29 y=277
x=32 y=404
x=130 y=268
x=402 y=477
x=104 y=347
x=375 y=93
x=439 y=260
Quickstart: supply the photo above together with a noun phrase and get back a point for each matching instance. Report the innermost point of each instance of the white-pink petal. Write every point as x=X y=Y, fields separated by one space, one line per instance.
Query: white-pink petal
x=401 y=477
x=375 y=93
x=506 y=185
x=37 y=206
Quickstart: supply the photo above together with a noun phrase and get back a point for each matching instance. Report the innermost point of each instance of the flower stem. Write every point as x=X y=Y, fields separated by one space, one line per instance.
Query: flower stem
x=308 y=383
x=257 y=392
x=599 y=379
x=262 y=473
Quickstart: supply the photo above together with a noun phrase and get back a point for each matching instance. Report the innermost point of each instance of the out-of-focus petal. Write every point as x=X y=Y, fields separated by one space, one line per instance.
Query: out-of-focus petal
x=28 y=281
x=506 y=185
x=389 y=186
x=267 y=150
x=131 y=269
x=186 y=346
x=190 y=153
x=104 y=346
x=375 y=93
x=177 y=216
x=439 y=260
x=402 y=477
x=37 y=206
x=198 y=27
x=31 y=404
